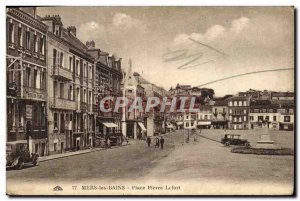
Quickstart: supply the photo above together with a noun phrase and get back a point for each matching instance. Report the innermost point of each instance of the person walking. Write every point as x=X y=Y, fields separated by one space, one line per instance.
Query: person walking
x=156 y=142
x=148 y=141
x=162 y=141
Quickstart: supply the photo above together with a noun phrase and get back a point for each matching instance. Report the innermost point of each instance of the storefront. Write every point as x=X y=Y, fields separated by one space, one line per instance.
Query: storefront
x=204 y=124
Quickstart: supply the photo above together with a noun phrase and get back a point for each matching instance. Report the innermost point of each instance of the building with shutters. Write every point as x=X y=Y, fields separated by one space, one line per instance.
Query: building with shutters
x=70 y=89
x=26 y=78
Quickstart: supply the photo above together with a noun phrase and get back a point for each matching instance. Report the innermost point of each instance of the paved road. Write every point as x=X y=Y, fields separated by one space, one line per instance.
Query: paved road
x=205 y=162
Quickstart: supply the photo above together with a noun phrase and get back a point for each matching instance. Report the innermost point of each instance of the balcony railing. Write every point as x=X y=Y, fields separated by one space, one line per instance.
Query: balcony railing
x=63 y=104
x=83 y=107
x=34 y=93
x=61 y=73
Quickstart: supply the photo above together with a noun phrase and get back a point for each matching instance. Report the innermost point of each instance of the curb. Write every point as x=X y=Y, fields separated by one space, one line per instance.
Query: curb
x=78 y=153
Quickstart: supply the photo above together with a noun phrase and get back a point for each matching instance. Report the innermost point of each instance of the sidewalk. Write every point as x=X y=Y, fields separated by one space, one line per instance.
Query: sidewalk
x=67 y=154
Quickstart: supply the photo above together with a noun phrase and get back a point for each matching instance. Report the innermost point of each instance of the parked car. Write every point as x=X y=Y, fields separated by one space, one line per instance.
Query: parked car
x=18 y=155
x=170 y=127
x=232 y=139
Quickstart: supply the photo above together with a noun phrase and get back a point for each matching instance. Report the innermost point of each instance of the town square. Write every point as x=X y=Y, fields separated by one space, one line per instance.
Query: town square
x=150 y=101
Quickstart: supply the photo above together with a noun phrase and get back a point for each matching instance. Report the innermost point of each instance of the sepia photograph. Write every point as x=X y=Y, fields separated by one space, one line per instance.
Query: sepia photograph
x=150 y=100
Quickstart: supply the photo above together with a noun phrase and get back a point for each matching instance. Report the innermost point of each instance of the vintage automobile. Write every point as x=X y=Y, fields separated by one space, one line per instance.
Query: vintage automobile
x=116 y=139
x=18 y=156
x=232 y=139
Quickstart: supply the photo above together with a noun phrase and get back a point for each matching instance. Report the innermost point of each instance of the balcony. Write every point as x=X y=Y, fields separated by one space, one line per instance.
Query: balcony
x=65 y=104
x=62 y=74
x=34 y=94
x=83 y=107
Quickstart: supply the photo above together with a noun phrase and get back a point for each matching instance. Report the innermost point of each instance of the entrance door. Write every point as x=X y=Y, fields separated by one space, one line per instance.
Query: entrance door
x=78 y=143
x=61 y=147
x=43 y=148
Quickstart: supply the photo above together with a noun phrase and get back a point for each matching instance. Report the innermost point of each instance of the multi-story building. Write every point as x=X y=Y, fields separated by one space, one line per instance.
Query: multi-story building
x=238 y=109
x=282 y=95
x=60 y=84
x=71 y=89
x=26 y=78
x=220 y=114
x=286 y=111
x=204 y=116
x=263 y=112
x=107 y=83
x=133 y=119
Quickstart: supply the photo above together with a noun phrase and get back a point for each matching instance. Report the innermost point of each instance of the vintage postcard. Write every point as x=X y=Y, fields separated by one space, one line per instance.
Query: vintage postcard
x=150 y=100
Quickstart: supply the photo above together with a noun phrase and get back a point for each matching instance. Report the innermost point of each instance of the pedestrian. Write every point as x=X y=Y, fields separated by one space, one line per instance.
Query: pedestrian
x=162 y=141
x=148 y=141
x=156 y=142
x=108 y=143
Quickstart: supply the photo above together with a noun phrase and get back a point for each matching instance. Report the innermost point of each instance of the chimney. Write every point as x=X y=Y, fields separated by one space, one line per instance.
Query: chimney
x=72 y=30
x=90 y=44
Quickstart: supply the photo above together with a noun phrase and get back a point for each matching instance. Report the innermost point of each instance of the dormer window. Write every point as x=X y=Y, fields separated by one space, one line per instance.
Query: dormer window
x=56 y=30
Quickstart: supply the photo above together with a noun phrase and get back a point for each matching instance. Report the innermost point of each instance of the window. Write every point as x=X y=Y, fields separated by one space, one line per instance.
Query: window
x=90 y=72
x=61 y=86
x=84 y=95
x=260 y=118
x=20 y=36
x=35 y=43
x=230 y=118
x=235 y=103
x=241 y=103
x=205 y=117
x=245 y=118
x=70 y=63
x=56 y=30
x=245 y=103
x=192 y=123
x=274 y=118
x=28 y=73
x=77 y=68
x=251 y=118
x=28 y=40
x=55 y=89
x=267 y=118
x=245 y=111
x=54 y=57
x=61 y=60
x=11 y=32
x=230 y=111
x=55 y=121
x=42 y=45
x=234 y=119
x=34 y=78
x=86 y=70
x=186 y=124
x=230 y=103
x=287 y=118
x=70 y=94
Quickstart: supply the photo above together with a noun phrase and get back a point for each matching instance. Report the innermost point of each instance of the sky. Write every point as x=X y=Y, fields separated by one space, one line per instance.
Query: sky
x=193 y=45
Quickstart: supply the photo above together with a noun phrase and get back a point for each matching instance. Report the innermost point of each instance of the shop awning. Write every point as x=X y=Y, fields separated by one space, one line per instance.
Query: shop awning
x=110 y=125
x=203 y=123
x=142 y=126
x=179 y=123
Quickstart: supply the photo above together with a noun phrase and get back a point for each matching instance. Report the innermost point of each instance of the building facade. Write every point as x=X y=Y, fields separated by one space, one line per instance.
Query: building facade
x=26 y=78
x=220 y=114
x=238 y=108
x=108 y=78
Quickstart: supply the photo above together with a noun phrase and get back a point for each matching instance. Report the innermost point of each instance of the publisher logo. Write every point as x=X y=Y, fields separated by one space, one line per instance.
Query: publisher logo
x=57 y=188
